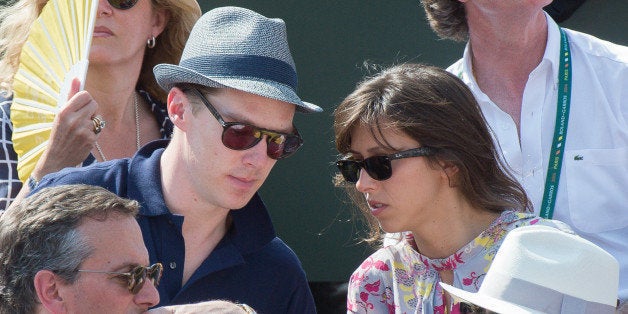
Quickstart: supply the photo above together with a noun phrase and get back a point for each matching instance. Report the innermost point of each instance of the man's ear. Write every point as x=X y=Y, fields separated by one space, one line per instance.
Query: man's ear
x=179 y=108
x=47 y=286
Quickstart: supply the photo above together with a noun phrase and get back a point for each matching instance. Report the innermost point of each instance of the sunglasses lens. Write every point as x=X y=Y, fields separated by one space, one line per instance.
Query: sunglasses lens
x=282 y=146
x=243 y=136
x=378 y=167
x=349 y=169
x=154 y=273
x=240 y=136
x=122 y=4
x=276 y=147
x=139 y=275
x=137 y=279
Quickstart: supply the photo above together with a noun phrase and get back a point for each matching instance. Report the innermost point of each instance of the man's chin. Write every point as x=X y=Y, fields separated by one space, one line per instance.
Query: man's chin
x=239 y=201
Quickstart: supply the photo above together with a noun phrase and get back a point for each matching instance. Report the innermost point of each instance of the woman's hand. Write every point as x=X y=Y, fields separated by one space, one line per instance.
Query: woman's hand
x=72 y=136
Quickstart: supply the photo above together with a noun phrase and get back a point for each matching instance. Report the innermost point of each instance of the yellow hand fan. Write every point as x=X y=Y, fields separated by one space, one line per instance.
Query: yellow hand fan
x=56 y=51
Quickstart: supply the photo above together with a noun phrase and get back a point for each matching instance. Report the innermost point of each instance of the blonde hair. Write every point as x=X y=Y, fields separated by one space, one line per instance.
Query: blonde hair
x=170 y=43
x=16 y=21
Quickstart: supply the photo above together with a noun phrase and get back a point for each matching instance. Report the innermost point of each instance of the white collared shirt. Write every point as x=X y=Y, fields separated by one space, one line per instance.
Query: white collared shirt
x=593 y=190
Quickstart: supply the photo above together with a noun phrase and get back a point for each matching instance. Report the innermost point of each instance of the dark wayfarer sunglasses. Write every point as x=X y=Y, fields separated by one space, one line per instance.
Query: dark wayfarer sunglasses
x=122 y=4
x=136 y=278
x=378 y=167
x=241 y=136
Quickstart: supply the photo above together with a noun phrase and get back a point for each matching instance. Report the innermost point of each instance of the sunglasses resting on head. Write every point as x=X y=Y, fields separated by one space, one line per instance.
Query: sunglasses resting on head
x=122 y=4
x=135 y=278
x=241 y=136
x=377 y=167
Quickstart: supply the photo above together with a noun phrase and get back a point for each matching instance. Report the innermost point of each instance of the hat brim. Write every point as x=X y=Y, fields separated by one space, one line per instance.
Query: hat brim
x=488 y=302
x=169 y=75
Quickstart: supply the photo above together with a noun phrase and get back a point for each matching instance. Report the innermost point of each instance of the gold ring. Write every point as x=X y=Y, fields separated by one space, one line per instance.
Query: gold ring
x=99 y=124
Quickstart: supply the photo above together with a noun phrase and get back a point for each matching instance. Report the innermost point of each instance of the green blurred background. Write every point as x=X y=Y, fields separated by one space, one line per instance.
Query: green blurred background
x=330 y=41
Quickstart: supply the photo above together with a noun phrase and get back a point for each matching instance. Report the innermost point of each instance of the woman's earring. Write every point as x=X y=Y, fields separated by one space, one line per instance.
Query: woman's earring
x=151 y=42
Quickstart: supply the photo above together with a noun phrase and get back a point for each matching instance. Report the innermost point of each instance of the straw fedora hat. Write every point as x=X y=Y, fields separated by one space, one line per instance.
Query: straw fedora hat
x=241 y=49
x=539 y=269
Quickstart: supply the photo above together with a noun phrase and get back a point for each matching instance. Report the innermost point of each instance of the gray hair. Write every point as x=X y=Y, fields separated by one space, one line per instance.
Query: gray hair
x=41 y=234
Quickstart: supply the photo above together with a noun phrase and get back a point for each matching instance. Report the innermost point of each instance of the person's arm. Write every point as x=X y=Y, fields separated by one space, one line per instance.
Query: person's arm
x=10 y=183
x=301 y=300
x=71 y=139
x=72 y=136
x=369 y=288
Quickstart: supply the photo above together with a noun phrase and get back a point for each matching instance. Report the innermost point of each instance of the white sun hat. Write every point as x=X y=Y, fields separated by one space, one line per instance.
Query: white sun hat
x=539 y=269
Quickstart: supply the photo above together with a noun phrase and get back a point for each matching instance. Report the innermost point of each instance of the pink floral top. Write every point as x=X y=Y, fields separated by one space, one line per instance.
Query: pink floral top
x=398 y=279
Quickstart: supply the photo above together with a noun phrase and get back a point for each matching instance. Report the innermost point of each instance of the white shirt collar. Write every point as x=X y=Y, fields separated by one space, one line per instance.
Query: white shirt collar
x=552 y=50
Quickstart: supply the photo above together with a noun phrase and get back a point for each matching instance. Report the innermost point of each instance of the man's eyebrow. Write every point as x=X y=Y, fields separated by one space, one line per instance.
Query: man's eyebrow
x=236 y=117
x=126 y=266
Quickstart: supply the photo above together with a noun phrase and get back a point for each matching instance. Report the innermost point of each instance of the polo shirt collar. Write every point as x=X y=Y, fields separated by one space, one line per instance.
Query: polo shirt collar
x=144 y=180
x=552 y=48
x=251 y=227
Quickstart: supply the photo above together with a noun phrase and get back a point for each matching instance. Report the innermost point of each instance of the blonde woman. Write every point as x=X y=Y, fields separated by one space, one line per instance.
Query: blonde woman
x=130 y=37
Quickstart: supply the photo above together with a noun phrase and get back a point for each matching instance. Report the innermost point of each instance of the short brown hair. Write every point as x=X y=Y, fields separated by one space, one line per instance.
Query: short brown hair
x=447 y=18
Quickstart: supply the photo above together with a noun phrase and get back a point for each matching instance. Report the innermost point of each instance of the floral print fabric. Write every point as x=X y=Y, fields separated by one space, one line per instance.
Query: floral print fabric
x=398 y=279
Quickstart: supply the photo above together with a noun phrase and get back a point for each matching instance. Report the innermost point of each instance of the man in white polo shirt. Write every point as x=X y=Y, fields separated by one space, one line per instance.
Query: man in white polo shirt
x=552 y=97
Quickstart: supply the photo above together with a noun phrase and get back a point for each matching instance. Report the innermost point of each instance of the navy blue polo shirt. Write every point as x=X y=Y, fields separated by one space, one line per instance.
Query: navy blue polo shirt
x=249 y=265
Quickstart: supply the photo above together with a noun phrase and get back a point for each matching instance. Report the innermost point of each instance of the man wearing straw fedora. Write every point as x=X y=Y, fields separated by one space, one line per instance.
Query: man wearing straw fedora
x=232 y=99
x=539 y=269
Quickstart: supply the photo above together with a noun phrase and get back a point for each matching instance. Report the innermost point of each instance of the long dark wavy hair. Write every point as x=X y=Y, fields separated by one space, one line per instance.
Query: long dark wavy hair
x=435 y=108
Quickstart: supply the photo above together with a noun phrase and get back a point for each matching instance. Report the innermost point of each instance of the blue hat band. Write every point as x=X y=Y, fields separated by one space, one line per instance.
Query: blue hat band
x=231 y=65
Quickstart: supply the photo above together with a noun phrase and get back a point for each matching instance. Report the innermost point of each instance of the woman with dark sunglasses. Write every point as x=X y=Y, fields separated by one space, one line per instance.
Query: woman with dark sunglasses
x=121 y=97
x=419 y=161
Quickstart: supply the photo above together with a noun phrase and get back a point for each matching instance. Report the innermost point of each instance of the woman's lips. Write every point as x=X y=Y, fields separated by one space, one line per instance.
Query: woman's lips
x=101 y=31
x=376 y=207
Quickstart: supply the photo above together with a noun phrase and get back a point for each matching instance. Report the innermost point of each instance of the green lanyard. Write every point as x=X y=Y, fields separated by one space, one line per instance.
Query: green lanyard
x=560 y=129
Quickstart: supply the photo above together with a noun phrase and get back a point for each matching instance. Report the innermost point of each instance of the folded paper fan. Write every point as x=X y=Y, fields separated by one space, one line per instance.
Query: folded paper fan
x=56 y=52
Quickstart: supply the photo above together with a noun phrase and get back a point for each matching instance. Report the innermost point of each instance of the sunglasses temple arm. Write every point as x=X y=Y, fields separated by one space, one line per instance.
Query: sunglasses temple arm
x=209 y=106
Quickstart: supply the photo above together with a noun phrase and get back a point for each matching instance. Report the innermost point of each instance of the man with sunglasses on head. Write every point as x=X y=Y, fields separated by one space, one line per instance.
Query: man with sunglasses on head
x=232 y=99
x=75 y=249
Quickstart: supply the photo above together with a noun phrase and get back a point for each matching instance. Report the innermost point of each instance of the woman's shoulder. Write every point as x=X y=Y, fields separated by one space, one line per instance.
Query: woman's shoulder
x=5 y=111
x=5 y=102
x=160 y=112
x=489 y=241
x=151 y=99
x=514 y=219
x=386 y=258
